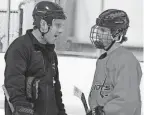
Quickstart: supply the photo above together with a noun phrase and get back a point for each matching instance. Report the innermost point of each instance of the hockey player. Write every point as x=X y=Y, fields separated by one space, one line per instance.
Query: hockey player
x=31 y=72
x=115 y=89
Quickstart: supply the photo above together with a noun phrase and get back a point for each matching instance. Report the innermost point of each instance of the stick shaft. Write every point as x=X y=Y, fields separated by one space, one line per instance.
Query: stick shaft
x=7 y=97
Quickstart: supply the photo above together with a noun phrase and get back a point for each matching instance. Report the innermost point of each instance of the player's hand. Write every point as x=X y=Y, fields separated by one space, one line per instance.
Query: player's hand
x=89 y=112
x=96 y=111
x=99 y=110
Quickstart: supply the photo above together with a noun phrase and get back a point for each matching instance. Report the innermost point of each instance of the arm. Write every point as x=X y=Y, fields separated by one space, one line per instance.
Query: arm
x=126 y=94
x=16 y=65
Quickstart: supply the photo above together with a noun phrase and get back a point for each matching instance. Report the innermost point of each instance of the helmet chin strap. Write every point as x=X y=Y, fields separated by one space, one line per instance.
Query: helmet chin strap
x=110 y=45
x=43 y=33
x=117 y=41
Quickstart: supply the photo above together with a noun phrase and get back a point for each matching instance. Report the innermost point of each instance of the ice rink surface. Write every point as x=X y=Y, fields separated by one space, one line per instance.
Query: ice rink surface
x=74 y=71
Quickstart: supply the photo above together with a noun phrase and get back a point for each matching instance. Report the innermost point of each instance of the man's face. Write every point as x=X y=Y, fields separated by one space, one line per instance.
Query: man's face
x=102 y=37
x=55 y=31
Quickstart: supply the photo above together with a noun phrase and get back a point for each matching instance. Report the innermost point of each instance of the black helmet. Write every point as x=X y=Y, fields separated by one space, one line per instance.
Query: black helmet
x=48 y=11
x=115 y=20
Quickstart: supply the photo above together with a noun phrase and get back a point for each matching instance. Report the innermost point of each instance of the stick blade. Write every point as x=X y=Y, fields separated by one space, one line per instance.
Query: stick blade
x=77 y=92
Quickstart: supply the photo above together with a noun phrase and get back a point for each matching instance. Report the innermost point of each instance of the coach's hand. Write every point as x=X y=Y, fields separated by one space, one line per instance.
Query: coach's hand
x=19 y=110
x=23 y=109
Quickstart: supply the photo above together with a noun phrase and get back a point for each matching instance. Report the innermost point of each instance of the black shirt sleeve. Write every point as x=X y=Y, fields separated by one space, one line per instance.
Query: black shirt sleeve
x=16 y=65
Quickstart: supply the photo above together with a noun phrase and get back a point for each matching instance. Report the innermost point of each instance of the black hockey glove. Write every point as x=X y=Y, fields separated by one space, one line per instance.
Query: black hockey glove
x=23 y=109
x=97 y=111
x=89 y=113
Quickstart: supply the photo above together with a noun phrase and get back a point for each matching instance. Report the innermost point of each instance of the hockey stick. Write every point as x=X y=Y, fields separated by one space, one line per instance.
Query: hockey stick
x=7 y=97
x=78 y=93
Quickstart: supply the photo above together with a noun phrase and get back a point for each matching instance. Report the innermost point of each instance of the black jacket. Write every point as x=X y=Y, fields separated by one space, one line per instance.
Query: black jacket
x=27 y=57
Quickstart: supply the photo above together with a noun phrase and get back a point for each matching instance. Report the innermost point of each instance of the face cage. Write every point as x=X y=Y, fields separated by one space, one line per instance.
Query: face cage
x=100 y=40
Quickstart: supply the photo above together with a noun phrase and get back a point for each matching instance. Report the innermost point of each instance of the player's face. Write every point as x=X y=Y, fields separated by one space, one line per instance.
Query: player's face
x=55 y=31
x=101 y=37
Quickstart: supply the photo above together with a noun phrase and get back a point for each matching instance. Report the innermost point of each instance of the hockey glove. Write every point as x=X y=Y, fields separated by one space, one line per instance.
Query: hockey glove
x=23 y=109
x=96 y=111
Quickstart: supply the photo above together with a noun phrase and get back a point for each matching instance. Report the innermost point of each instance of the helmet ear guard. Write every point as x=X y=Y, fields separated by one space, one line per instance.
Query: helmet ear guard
x=120 y=34
x=43 y=26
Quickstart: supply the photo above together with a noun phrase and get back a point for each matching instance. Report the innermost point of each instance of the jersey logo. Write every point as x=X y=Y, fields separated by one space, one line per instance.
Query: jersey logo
x=104 y=89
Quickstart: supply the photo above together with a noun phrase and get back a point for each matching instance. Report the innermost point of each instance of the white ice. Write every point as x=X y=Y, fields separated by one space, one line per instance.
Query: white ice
x=74 y=71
